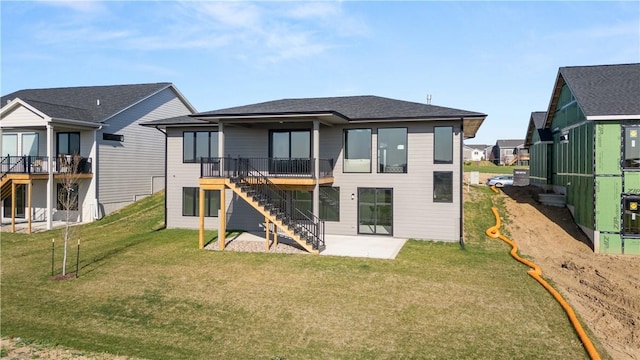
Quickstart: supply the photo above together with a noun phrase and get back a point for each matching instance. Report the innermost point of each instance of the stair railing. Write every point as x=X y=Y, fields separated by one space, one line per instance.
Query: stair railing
x=274 y=199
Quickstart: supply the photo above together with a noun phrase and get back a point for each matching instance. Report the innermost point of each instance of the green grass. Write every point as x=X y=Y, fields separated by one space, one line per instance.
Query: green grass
x=148 y=292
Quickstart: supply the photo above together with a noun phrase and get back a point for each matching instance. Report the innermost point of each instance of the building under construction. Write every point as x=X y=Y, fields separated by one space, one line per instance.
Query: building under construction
x=586 y=148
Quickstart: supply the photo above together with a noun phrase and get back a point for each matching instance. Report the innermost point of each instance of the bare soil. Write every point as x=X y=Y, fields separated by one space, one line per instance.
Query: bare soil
x=604 y=290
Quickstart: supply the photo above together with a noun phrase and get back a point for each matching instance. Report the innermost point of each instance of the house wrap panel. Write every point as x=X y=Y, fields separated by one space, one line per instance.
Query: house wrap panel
x=127 y=169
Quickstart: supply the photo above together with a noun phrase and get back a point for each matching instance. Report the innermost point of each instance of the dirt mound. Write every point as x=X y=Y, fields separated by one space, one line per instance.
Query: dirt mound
x=603 y=289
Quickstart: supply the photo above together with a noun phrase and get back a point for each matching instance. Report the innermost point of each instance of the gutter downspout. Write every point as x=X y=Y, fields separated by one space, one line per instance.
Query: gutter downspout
x=461 y=187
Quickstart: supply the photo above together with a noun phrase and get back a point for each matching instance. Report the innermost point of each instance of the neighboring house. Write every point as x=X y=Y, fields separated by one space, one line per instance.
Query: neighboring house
x=91 y=131
x=504 y=153
x=474 y=152
x=588 y=149
x=356 y=165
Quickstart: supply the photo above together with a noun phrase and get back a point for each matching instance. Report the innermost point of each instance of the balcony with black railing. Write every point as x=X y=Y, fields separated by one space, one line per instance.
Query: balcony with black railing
x=40 y=165
x=274 y=168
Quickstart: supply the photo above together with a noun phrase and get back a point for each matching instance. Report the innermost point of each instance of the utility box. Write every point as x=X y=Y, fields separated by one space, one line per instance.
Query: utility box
x=521 y=177
x=474 y=178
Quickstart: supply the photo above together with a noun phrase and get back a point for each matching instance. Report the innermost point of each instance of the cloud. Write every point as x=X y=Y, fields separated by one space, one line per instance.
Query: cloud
x=81 y=6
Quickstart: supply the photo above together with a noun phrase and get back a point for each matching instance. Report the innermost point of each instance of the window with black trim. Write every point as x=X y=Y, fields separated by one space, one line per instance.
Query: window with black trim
x=631 y=216
x=443 y=186
x=191 y=202
x=112 y=137
x=68 y=143
x=631 y=145
x=392 y=150
x=329 y=203
x=443 y=145
x=199 y=144
x=357 y=151
x=67 y=197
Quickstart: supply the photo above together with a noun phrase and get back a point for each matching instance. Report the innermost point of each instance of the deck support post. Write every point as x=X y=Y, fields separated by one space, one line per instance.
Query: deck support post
x=50 y=163
x=266 y=227
x=222 y=228
x=201 y=213
x=275 y=234
x=29 y=192
x=13 y=206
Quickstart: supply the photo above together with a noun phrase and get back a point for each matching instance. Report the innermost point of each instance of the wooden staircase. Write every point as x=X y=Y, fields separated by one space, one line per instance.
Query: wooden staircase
x=5 y=188
x=305 y=229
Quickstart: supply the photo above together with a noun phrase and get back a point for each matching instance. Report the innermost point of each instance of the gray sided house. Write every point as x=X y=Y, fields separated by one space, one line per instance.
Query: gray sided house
x=356 y=165
x=91 y=134
x=586 y=146
x=505 y=152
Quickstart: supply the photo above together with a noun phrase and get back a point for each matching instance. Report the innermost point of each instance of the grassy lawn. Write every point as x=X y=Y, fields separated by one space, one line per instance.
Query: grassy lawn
x=150 y=293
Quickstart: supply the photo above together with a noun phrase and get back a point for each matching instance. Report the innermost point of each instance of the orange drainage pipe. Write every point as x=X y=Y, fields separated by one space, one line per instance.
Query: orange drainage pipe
x=535 y=272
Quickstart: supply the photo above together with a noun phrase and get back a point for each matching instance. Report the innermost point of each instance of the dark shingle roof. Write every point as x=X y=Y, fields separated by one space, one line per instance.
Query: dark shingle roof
x=605 y=89
x=350 y=107
x=539 y=118
x=81 y=103
x=510 y=143
x=537 y=124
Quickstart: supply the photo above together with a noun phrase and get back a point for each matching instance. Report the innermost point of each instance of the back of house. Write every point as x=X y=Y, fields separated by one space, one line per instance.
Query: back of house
x=360 y=165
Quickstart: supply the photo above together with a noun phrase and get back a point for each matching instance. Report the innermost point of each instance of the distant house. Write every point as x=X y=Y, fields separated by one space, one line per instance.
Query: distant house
x=504 y=152
x=354 y=165
x=94 y=131
x=586 y=146
x=474 y=152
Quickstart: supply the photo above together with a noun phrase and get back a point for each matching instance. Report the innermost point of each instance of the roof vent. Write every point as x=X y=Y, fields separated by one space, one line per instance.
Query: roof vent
x=428 y=99
x=98 y=102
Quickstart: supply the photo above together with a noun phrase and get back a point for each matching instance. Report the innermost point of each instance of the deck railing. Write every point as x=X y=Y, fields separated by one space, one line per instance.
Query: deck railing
x=40 y=165
x=269 y=167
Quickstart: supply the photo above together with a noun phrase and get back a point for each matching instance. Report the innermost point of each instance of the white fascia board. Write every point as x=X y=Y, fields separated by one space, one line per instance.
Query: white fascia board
x=613 y=117
x=77 y=123
x=19 y=102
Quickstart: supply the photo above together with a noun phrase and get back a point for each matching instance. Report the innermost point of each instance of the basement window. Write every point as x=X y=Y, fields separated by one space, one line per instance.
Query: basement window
x=191 y=202
x=631 y=147
x=631 y=216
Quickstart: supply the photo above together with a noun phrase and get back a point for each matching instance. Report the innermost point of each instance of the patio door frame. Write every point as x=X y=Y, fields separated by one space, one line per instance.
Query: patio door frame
x=374 y=212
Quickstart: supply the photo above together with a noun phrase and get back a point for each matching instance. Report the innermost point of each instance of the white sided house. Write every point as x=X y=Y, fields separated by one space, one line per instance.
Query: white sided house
x=356 y=165
x=90 y=134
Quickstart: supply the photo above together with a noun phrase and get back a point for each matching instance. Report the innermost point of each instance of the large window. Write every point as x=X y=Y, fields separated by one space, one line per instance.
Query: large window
x=9 y=145
x=330 y=203
x=290 y=144
x=631 y=218
x=68 y=143
x=199 y=144
x=30 y=144
x=443 y=145
x=67 y=197
x=357 y=151
x=392 y=150
x=443 y=186
x=191 y=202
x=631 y=148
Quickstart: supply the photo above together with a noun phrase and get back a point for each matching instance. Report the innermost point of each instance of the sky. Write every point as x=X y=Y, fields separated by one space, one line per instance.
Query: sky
x=500 y=58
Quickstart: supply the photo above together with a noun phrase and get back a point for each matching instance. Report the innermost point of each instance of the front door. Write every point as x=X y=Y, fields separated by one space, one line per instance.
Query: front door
x=20 y=203
x=375 y=211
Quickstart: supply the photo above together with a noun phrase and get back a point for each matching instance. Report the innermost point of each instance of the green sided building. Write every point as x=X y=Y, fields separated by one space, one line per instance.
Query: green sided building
x=587 y=147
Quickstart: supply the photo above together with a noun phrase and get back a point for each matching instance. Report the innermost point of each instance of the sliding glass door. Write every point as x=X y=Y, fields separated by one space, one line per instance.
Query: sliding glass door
x=375 y=211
